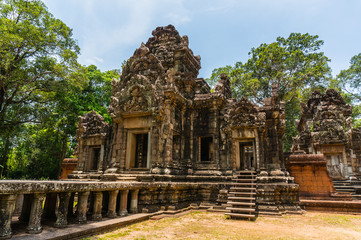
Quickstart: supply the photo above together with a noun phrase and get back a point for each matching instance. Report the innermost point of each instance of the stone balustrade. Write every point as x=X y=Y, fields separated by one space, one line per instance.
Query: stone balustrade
x=43 y=198
x=95 y=200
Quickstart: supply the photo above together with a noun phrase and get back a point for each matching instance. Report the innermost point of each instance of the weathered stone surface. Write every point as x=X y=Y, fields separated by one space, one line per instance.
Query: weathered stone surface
x=62 y=217
x=7 y=202
x=36 y=212
x=326 y=127
x=309 y=171
x=82 y=207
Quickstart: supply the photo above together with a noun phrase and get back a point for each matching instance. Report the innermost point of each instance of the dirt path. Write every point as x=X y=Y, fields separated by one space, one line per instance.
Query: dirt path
x=204 y=225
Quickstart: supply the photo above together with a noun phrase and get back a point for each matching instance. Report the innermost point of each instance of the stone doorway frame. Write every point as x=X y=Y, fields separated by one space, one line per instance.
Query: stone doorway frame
x=131 y=148
x=240 y=164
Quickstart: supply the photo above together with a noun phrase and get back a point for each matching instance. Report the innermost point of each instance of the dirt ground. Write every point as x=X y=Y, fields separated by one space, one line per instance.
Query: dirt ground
x=205 y=225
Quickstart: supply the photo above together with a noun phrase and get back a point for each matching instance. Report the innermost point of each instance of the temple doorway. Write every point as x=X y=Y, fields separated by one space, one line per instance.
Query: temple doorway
x=246 y=156
x=141 y=151
x=138 y=150
x=94 y=159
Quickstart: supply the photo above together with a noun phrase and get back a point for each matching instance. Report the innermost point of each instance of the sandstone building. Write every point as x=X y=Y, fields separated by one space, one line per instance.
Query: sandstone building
x=173 y=142
x=326 y=128
x=167 y=121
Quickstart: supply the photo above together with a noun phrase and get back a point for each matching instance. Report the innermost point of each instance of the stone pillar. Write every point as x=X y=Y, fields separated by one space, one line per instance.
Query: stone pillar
x=7 y=202
x=134 y=201
x=112 y=204
x=19 y=204
x=50 y=205
x=62 y=218
x=71 y=206
x=25 y=210
x=97 y=206
x=36 y=211
x=123 y=203
x=82 y=206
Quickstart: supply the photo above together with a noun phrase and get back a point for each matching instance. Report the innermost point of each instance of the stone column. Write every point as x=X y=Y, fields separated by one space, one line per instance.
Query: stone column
x=36 y=211
x=25 y=210
x=123 y=203
x=50 y=205
x=82 y=206
x=97 y=206
x=7 y=202
x=112 y=204
x=62 y=218
x=19 y=204
x=71 y=206
x=134 y=201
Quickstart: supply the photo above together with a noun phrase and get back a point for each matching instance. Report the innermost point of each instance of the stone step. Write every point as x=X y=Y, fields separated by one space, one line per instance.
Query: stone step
x=242 y=203
x=244 y=184
x=242 y=189
x=244 y=176
x=246 y=172
x=244 y=180
x=242 y=198
x=241 y=209
x=345 y=190
x=356 y=196
x=344 y=186
x=240 y=215
x=243 y=193
x=341 y=183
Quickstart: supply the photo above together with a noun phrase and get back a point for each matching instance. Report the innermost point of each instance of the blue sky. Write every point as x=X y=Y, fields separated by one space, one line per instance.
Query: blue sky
x=222 y=32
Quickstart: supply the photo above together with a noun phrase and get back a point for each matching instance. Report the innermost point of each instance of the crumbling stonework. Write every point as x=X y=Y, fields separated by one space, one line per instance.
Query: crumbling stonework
x=91 y=135
x=326 y=127
x=169 y=125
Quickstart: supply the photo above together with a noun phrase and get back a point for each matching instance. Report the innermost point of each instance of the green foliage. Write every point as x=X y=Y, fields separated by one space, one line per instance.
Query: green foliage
x=43 y=90
x=349 y=81
x=294 y=64
x=41 y=147
x=38 y=57
x=37 y=156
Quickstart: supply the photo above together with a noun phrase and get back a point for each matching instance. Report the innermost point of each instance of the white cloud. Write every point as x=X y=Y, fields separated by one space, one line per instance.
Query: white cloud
x=103 y=27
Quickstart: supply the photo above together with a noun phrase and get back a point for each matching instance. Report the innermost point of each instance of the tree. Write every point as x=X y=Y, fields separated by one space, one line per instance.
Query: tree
x=349 y=81
x=295 y=64
x=38 y=56
x=36 y=50
x=40 y=147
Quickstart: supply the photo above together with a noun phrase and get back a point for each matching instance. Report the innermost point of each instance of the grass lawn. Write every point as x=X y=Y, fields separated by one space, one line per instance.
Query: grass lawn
x=206 y=225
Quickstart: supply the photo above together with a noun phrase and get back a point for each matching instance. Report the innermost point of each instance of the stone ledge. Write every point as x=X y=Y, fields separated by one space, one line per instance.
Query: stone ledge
x=32 y=186
x=334 y=206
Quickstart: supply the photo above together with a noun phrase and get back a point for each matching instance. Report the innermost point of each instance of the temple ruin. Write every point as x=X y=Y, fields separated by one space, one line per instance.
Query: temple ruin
x=175 y=142
x=326 y=127
x=327 y=148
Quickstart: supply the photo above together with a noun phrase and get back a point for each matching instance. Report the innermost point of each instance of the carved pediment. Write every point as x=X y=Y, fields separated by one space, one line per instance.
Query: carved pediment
x=91 y=124
x=140 y=95
x=243 y=113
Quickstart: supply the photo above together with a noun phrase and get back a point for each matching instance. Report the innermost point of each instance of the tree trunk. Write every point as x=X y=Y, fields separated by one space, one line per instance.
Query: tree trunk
x=62 y=155
x=4 y=158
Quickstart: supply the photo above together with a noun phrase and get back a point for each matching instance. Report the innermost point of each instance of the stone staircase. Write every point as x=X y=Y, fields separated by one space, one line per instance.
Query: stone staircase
x=347 y=186
x=242 y=196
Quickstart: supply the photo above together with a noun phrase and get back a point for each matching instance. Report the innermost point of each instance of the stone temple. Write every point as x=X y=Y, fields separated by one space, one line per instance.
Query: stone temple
x=168 y=123
x=169 y=126
x=174 y=142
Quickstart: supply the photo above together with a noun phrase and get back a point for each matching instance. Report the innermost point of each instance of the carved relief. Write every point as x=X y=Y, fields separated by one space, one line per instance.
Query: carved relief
x=243 y=113
x=91 y=124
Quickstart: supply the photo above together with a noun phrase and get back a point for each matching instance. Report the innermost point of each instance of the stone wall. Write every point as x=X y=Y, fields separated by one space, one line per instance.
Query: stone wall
x=310 y=172
x=326 y=127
